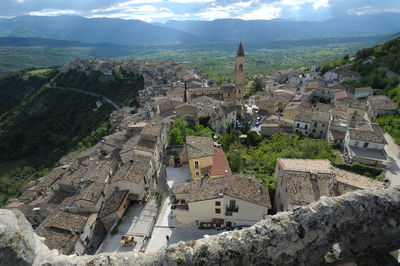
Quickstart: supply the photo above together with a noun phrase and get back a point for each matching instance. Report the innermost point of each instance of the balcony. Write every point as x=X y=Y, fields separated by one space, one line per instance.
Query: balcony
x=229 y=208
x=180 y=205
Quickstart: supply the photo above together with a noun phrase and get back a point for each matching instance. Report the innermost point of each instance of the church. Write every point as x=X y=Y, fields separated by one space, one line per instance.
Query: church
x=226 y=92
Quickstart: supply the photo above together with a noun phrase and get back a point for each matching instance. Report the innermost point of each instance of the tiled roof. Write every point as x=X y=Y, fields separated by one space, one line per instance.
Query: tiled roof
x=320 y=116
x=337 y=135
x=304 y=117
x=61 y=240
x=305 y=165
x=91 y=193
x=112 y=203
x=355 y=180
x=134 y=171
x=198 y=147
x=321 y=107
x=66 y=221
x=382 y=102
x=344 y=95
x=228 y=88
x=367 y=133
x=239 y=186
x=303 y=190
x=364 y=89
x=131 y=144
x=219 y=165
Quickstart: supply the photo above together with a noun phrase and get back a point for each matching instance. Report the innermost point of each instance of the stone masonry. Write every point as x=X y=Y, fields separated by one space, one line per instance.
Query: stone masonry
x=331 y=230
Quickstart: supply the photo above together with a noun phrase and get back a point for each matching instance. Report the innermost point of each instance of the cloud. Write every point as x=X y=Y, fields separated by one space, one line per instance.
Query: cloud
x=163 y=10
x=52 y=13
x=366 y=10
x=264 y=12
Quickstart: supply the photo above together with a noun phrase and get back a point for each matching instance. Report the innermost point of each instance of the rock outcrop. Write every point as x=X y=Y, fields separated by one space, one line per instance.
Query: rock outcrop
x=332 y=230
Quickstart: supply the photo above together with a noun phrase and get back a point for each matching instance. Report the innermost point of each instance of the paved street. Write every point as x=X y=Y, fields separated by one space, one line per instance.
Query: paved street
x=177 y=175
x=393 y=150
x=138 y=221
x=165 y=226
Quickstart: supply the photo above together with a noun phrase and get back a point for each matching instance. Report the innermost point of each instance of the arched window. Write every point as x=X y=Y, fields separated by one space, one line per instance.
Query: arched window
x=240 y=67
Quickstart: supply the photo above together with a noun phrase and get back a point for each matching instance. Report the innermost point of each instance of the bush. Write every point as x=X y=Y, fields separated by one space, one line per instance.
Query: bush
x=360 y=169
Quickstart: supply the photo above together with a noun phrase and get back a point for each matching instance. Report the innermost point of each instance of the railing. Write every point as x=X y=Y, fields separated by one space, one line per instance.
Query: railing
x=232 y=209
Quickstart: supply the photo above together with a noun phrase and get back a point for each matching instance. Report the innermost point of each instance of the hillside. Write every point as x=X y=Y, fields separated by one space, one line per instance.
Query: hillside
x=39 y=124
x=261 y=30
x=95 y=30
x=379 y=67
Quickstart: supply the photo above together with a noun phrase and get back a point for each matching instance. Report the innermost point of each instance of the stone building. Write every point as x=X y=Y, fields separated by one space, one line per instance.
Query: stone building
x=240 y=76
x=299 y=182
x=237 y=200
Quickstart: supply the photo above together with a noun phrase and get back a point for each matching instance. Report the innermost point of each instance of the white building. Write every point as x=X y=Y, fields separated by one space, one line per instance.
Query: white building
x=363 y=92
x=302 y=123
x=365 y=144
x=237 y=200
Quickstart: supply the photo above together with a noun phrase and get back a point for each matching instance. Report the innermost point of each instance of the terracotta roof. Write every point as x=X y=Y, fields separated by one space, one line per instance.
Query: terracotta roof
x=112 y=203
x=219 y=165
x=305 y=165
x=239 y=186
x=381 y=102
x=344 y=95
x=198 y=147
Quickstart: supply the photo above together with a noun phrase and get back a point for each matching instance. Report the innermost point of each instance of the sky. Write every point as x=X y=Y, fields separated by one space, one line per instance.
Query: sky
x=164 y=10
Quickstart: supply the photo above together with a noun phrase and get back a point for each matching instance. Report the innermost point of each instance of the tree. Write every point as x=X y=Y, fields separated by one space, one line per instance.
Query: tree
x=256 y=85
x=236 y=156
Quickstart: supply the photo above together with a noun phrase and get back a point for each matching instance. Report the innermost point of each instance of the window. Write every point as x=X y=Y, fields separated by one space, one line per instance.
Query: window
x=217 y=210
x=197 y=173
x=366 y=145
x=313 y=131
x=217 y=203
x=315 y=124
x=356 y=143
x=196 y=164
x=306 y=126
x=240 y=67
x=323 y=125
x=124 y=205
x=298 y=125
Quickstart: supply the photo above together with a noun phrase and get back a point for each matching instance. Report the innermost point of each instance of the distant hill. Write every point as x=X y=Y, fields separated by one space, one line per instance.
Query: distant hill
x=136 y=32
x=95 y=30
x=39 y=124
x=275 y=29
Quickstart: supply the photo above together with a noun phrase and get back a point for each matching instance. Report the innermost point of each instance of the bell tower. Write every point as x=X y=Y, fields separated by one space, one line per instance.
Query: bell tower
x=239 y=77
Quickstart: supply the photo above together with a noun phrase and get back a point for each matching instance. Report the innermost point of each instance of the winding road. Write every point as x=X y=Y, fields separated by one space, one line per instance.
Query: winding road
x=88 y=93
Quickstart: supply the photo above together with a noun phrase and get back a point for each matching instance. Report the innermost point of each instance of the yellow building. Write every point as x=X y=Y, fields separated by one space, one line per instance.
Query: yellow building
x=203 y=158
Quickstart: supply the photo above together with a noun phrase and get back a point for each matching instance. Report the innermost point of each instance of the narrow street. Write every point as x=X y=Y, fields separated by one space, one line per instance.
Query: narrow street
x=393 y=151
x=138 y=221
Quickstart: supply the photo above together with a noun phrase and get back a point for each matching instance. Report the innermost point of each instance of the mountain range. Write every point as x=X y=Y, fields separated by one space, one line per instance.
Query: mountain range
x=136 y=32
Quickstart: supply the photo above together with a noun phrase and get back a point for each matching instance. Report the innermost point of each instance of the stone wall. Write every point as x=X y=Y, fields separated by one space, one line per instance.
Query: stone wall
x=332 y=230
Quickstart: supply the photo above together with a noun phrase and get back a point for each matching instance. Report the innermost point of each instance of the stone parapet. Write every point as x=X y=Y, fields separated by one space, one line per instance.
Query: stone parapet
x=331 y=230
